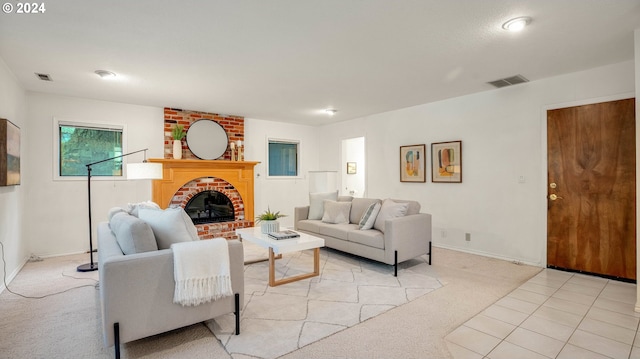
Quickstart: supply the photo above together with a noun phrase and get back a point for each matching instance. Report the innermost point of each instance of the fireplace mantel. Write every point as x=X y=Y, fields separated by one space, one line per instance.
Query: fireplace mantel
x=176 y=173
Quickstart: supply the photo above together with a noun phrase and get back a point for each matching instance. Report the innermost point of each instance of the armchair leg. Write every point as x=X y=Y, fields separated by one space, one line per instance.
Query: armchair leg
x=237 y=313
x=116 y=338
x=395 y=263
x=429 y=253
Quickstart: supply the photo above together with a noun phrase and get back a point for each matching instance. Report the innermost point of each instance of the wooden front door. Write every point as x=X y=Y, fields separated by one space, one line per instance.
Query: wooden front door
x=591 y=193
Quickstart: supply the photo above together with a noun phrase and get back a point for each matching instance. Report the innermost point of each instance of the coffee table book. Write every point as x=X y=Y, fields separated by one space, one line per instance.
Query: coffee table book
x=284 y=234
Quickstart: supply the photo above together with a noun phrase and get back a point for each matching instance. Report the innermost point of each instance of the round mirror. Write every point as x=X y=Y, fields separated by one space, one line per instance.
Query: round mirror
x=207 y=140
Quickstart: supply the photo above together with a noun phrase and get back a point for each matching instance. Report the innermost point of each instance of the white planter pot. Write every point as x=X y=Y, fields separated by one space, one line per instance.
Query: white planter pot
x=177 y=149
x=269 y=226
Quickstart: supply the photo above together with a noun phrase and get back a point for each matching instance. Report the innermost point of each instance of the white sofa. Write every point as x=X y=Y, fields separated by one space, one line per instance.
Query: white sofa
x=137 y=288
x=395 y=240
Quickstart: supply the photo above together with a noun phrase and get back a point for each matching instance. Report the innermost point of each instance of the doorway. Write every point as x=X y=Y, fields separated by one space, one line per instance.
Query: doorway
x=591 y=189
x=353 y=173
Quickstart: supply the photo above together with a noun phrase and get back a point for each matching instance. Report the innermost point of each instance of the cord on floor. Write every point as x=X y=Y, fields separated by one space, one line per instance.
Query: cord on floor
x=34 y=258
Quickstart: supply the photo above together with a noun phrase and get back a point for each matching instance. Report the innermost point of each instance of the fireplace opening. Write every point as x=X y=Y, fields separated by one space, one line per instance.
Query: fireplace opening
x=210 y=206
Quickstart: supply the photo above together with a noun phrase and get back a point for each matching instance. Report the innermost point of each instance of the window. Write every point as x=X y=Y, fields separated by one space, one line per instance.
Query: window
x=80 y=144
x=283 y=158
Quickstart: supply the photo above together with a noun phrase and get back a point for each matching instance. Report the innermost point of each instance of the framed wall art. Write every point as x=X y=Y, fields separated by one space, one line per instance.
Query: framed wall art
x=9 y=153
x=446 y=165
x=412 y=163
x=351 y=168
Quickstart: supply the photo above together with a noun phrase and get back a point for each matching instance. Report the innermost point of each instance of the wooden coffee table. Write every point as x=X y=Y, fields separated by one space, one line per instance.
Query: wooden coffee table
x=278 y=247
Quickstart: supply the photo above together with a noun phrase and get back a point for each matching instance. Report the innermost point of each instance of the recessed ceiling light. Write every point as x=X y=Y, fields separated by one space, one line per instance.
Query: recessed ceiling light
x=516 y=24
x=330 y=111
x=105 y=74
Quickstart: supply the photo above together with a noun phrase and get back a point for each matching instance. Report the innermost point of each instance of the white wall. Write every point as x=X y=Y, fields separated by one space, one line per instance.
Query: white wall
x=353 y=150
x=55 y=213
x=281 y=194
x=503 y=137
x=13 y=107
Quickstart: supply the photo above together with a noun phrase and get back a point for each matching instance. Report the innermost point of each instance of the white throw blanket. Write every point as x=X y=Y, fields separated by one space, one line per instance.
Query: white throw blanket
x=201 y=271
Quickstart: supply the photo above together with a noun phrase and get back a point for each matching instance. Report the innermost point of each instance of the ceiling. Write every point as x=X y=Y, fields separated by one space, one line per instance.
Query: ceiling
x=286 y=60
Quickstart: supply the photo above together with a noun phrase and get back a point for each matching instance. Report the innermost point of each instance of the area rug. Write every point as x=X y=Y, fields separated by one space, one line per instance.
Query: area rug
x=349 y=290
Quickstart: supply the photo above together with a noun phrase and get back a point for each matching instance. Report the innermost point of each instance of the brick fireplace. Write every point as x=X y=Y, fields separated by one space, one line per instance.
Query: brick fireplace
x=183 y=179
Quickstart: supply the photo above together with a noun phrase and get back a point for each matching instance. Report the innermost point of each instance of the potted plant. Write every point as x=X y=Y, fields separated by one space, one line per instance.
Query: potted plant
x=269 y=221
x=178 y=134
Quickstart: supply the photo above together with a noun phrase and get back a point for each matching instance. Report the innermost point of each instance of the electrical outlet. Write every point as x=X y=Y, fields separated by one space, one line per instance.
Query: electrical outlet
x=467 y=237
x=443 y=234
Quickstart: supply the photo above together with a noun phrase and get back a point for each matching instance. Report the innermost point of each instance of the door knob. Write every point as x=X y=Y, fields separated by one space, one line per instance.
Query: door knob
x=554 y=197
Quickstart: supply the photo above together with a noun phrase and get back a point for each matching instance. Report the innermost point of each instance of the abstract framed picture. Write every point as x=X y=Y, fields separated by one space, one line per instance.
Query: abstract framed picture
x=351 y=168
x=446 y=162
x=413 y=163
x=9 y=153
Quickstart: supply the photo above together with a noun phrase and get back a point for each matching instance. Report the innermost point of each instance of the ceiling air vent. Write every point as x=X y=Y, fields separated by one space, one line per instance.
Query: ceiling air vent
x=44 y=77
x=508 y=81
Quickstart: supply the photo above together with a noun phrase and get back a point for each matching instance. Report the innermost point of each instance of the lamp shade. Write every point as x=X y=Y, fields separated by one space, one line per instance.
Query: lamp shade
x=323 y=181
x=144 y=170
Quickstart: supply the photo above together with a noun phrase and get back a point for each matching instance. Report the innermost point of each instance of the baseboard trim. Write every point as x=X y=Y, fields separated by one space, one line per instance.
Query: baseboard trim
x=487 y=254
x=13 y=274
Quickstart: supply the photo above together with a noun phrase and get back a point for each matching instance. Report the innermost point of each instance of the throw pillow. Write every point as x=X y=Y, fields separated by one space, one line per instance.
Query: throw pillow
x=389 y=210
x=316 y=203
x=336 y=212
x=134 y=208
x=132 y=234
x=113 y=211
x=369 y=216
x=171 y=225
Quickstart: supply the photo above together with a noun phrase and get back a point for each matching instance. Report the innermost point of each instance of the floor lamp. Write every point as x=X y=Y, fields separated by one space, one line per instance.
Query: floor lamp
x=144 y=170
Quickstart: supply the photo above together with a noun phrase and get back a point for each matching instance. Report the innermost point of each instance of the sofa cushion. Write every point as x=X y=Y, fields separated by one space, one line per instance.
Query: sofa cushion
x=171 y=225
x=336 y=212
x=358 y=207
x=316 y=203
x=340 y=231
x=389 y=210
x=310 y=225
x=371 y=238
x=369 y=216
x=132 y=234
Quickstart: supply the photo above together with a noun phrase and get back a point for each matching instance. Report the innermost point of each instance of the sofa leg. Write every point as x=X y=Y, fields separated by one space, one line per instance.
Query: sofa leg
x=395 y=263
x=116 y=339
x=429 y=252
x=237 y=313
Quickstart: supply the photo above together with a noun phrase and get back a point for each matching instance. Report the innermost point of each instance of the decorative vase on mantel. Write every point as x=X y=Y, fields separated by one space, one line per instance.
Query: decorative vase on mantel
x=177 y=133
x=177 y=149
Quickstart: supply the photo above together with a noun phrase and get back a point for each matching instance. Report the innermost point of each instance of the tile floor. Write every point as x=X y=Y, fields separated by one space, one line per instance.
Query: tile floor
x=554 y=315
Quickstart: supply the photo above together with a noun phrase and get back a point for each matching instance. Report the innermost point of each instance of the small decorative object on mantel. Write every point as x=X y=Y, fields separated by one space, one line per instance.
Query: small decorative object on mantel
x=240 y=154
x=178 y=134
x=269 y=221
x=232 y=145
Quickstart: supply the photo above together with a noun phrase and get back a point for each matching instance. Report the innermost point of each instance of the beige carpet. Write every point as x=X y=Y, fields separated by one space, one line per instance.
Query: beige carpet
x=67 y=325
x=348 y=291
